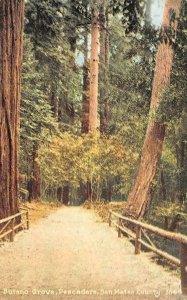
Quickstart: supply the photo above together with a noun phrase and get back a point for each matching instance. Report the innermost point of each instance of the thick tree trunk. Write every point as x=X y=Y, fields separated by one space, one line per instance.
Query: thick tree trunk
x=36 y=181
x=11 y=41
x=139 y=197
x=86 y=84
x=94 y=68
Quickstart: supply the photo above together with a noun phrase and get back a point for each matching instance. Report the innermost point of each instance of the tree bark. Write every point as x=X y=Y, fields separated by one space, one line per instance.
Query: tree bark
x=94 y=67
x=139 y=197
x=11 y=42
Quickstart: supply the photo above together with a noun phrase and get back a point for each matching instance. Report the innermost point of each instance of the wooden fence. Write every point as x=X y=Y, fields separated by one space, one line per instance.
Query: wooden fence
x=9 y=225
x=140 y=230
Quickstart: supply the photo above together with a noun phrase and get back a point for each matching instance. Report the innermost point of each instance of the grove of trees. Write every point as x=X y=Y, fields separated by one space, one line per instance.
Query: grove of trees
x=103 y=112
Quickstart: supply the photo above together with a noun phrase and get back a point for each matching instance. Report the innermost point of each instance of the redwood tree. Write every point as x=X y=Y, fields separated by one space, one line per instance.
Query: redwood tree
x=94 y=67
x=11 y=40
x=139 y=197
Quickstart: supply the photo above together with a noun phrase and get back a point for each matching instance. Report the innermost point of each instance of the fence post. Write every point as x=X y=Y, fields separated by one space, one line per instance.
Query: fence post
x=119 y=230
x=183 y=259
x=13 y=231
x=109 y=220
x=137 y=243
x=27 y=217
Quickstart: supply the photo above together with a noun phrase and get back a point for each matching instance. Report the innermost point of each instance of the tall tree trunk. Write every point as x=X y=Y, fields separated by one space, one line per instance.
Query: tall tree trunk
x=11 y=42
x=103 y=75
x=94 y=67
x=86 y=84
x=139 y=197
x=36 y=181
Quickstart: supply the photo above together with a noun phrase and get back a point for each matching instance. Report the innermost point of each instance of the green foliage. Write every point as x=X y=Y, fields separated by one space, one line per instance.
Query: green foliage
x=37 y=121
x=35 y=111
x=170 y=210
x=129 y=88
x=76 y=159
x=131 y=11
x=44 y=20
x=46 y=26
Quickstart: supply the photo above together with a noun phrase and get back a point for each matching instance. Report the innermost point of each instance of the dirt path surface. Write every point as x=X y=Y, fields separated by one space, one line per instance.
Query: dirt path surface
x=72 y=252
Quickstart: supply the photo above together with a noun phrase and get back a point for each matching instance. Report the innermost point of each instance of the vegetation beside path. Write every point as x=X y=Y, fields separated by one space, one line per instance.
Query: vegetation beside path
x=40 y=209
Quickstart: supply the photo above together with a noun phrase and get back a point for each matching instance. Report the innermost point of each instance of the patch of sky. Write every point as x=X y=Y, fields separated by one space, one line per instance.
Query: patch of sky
x=157 y=11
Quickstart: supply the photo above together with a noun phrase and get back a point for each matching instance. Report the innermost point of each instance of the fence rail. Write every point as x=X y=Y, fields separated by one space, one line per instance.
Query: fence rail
x=118 y=221
x=8 y=226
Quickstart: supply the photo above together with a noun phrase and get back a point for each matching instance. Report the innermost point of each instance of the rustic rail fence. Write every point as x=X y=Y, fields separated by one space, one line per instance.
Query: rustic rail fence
x=140 y=229
x=9 y=225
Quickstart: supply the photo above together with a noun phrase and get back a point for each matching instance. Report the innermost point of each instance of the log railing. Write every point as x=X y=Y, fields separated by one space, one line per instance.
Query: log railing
x=9 y=225
x=140 y=229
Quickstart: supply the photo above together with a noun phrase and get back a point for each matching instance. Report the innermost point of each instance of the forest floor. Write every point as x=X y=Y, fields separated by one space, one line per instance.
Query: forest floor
x=71 y=252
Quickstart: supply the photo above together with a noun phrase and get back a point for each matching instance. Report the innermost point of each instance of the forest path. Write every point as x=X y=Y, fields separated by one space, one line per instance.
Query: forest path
x=72 y=250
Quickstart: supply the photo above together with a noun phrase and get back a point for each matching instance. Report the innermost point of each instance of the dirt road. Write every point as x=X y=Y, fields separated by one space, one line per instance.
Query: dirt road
x=72 y=255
